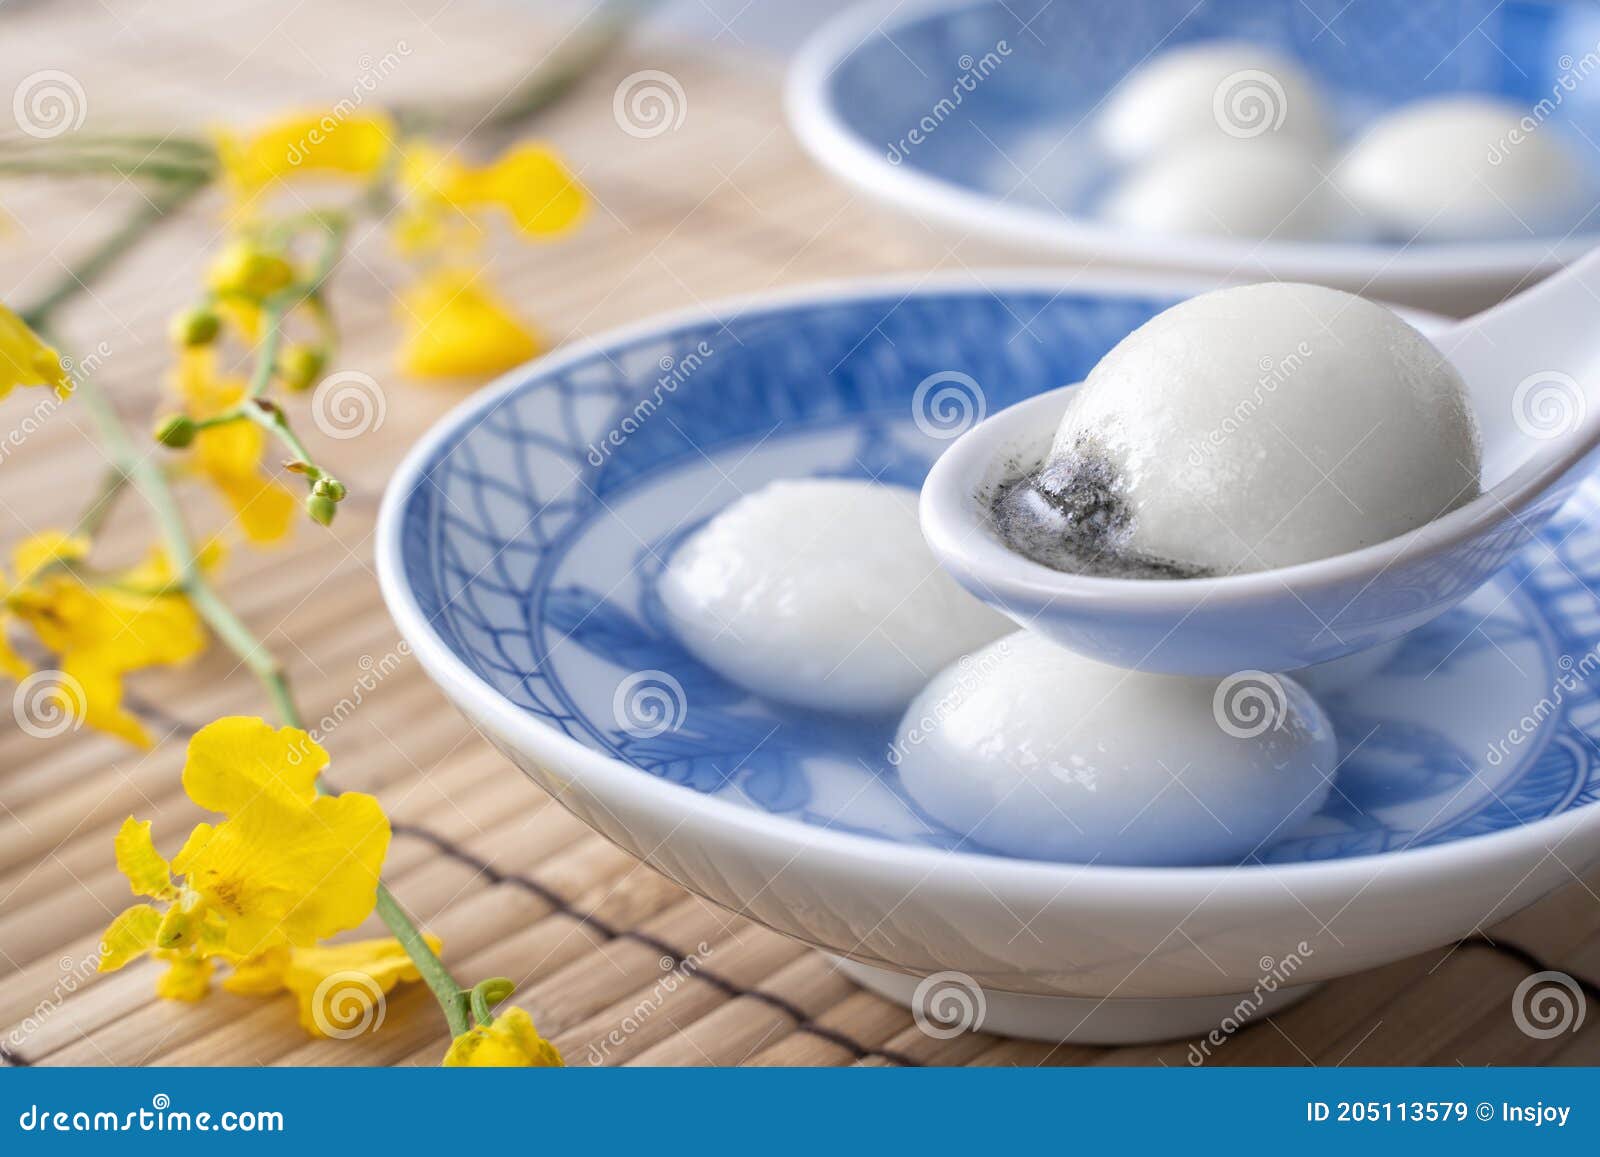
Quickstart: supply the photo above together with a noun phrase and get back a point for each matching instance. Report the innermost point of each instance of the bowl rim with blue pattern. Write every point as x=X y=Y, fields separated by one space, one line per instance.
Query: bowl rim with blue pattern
x=488 y=707
x=813 y=109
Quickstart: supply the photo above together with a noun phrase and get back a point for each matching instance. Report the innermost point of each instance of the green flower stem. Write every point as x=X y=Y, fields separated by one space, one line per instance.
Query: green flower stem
x=94 y=515
x=454 y=1002
x=162 y=205
x=152 y=485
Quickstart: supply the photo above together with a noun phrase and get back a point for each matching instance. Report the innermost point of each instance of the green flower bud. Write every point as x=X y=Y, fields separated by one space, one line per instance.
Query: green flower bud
x=329 y=488
x=301 y=366
x=321 y=508
x=176 y=431
x=195 y=327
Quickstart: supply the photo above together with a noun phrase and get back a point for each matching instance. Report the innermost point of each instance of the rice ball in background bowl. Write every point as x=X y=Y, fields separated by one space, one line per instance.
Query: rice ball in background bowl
x=1211 y=90
x=1465 y=168
x=1262 y=188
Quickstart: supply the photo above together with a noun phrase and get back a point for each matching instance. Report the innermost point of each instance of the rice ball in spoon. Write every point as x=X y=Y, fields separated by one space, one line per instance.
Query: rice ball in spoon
x=1032 y=750
x=1246 y=429
x=1465 y=168
x=1214 y=89
x=821 y=592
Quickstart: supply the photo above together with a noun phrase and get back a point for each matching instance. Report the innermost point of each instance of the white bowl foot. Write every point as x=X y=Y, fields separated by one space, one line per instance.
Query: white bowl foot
x=1078 y=1020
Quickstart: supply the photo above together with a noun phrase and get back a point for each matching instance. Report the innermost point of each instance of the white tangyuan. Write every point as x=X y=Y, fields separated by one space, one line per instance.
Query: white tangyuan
x=1216 y=89
x=1035 y=751
x=1247 y=429
x=1263 y=188
x=1465 y=168
x=822 y=593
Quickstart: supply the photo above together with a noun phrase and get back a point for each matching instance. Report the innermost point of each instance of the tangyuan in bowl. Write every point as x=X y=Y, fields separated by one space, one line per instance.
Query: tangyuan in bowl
x=527 y=578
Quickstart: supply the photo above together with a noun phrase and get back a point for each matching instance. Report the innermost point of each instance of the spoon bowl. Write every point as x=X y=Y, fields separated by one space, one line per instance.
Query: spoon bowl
x=1530 y=366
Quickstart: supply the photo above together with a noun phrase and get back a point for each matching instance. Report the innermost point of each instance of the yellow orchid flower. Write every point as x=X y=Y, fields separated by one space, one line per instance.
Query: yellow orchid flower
x=229 y=456
x=357 y=145
x=528 y=182
x=25 y=360
x=458 y=328
x=286 y=867
x=188 y=979
x=336 y=985
x=98 y=632
x=510 y=1041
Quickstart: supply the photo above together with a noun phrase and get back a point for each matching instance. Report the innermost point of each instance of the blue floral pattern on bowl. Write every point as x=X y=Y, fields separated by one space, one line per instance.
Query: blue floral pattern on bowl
x=535 y=536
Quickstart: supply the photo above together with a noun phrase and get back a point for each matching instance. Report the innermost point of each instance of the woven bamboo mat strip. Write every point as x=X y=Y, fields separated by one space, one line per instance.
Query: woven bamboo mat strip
x=513 y=884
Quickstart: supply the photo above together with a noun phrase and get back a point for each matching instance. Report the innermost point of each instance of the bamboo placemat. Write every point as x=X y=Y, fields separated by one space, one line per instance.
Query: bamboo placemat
x=514 y=885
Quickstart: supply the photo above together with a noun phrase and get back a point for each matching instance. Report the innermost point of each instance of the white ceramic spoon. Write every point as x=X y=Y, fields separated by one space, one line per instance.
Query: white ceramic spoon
x=1532 y=368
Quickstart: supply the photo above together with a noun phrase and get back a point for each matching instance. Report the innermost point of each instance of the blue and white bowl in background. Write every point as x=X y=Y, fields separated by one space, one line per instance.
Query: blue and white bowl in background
x=979 y=115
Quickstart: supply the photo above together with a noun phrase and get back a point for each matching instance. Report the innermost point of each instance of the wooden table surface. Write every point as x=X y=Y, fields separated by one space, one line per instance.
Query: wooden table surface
x=723 y=205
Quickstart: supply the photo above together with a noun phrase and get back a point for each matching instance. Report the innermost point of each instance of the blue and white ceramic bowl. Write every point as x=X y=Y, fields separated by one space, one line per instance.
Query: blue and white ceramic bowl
x=519 y=548
x=979 y=115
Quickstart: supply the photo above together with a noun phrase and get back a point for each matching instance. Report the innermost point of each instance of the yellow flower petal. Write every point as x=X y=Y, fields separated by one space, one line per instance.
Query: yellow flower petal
x=530 y=182
x=236 y=760
x=527 y=181
x=260 y=975
x=101 y=632
x=148 y=873
x=457 y=328
x=187 y=978
x=246 y=269
x=285 y=868
x=49 y=546
x=264 y=507
x=338 y=985
x=132 y=934
x=11 y=663
x=92 y=691
x=229 y=456
x=510 y=1042
x=25 y=360
x=323 y=142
